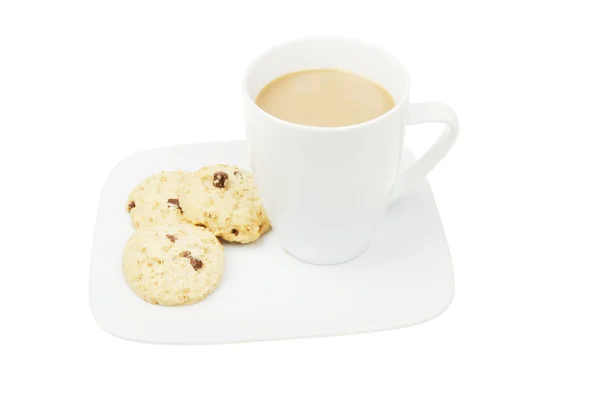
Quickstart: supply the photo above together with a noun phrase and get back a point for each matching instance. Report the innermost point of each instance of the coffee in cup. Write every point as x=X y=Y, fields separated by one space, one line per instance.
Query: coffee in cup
x=324 y=97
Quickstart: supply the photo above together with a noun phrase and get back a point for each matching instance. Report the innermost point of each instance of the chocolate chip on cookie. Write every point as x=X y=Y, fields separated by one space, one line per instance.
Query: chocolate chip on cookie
x=235 y=232
x=130 y=205
x=175 y=202
x=220 y=179
x=196 y=263
x=172 y=238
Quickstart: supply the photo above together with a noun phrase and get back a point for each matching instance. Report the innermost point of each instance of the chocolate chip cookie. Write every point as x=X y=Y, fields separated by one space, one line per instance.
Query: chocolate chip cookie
x=173 y=265
x=224 y=199
x=155 y=200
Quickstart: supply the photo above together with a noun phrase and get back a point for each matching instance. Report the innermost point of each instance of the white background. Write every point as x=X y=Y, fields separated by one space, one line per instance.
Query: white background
x=84 y=84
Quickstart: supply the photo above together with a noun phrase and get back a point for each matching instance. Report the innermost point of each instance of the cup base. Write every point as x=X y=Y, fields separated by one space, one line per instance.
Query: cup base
x=324 y=260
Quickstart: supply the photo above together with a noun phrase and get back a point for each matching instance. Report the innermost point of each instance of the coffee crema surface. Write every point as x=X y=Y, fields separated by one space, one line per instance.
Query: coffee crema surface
x=325 y=98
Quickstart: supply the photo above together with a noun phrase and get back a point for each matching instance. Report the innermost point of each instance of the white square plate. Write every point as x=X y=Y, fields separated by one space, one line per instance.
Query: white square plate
x=403 y=279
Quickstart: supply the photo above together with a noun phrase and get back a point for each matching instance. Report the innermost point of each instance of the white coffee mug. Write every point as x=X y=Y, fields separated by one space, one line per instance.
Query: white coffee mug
x=325 y=190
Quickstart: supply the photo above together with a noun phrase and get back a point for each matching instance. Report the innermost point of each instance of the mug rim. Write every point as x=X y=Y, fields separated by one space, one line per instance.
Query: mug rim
x=383 y=116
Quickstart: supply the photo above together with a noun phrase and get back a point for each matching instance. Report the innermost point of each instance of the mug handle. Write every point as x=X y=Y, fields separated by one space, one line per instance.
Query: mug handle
x=422 y=113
